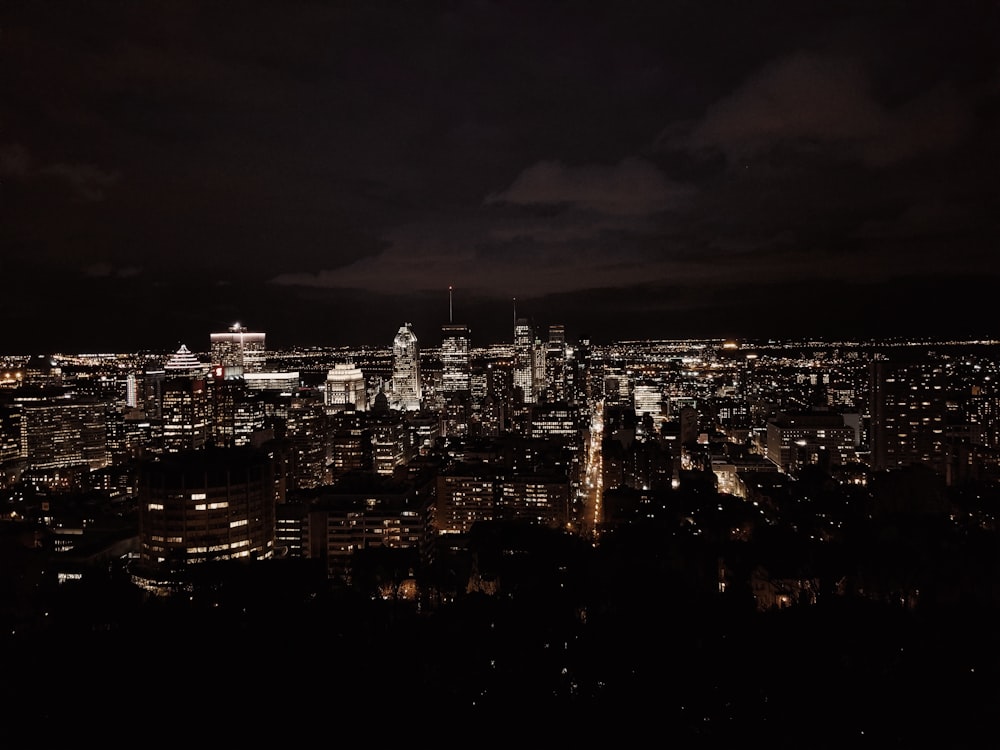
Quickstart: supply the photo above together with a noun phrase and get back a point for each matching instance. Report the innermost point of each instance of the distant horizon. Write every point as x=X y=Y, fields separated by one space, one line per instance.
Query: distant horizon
x=741 y=343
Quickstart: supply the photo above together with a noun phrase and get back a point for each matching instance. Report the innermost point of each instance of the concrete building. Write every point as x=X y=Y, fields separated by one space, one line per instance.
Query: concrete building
x=205 y=505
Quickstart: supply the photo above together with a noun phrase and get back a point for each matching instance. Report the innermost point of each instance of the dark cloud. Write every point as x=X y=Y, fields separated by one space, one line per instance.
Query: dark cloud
x=85 y=181
x=631 y=187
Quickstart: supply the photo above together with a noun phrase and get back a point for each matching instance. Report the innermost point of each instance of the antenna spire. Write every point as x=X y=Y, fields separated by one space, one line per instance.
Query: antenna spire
x=449 y=304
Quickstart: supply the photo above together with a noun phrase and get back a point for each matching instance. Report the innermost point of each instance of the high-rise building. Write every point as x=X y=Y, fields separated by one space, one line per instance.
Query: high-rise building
x=184 y=363
x=64 y=431
x=540 y=377
x=555 y=364
x=390 y=441
x=350 y=443
x=307 y=428
x=185 y=407
x=647 y=398
x=493 y=403
x=406 y=386
x=150 y=392
x=203 y=506
x=455 y=363
x=524 y=360
x=910 y=412
x=456 y=372
x=239 y=347
x=346 y=388
x=186 y=412
x=456 y=378
x=10 y=433
x=237 y=412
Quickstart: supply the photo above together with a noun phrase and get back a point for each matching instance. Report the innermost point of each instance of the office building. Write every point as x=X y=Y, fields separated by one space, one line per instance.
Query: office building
x=406 y=385
x=368 y=512
x=524 y=361
x=185 y=403
x=455 y=363
x=239 y=347
x=63 y=431
x=206 y=505
x=796 y=439
x=345 y=388
x=468 y=493
x=910 y=412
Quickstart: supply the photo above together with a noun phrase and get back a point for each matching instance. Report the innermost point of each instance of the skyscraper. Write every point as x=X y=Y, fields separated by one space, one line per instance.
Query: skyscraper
x=524 y=359
x=455 y=368
x=456 y=375
x=238 y=347
x=555 y=364
x=185 y=408
x=345 y=388
x=406 y=387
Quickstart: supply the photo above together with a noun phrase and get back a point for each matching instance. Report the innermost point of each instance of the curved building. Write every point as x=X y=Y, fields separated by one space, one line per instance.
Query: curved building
x=206 y=505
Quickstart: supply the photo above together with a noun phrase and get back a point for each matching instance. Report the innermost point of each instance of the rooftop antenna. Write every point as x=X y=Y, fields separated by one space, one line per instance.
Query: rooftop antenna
x=515 y=311
x=449 y=304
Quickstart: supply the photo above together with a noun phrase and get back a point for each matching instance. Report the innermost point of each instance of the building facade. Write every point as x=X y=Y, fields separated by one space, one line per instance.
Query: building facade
x=346 y=388
x=206 y=505
x=239 y=347
x=407 y=389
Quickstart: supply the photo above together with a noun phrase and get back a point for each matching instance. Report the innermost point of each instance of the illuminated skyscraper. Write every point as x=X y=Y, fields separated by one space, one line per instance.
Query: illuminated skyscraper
x=346 y=388
x=540 y=380
x=184 y=364
x=185 y=407
x=555 y=364
x=239 y=347
x=456 y=375
x=237 y=412
x=455 y=368
x=390 y=438
x=406 y=387
x=524 y=359
x=63 y=431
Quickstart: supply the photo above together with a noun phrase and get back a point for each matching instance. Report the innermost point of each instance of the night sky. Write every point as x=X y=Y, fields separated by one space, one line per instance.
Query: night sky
x=324 y=171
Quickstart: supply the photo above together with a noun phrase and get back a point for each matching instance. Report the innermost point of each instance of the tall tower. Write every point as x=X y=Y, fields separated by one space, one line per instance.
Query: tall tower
x=406 y=386
x=555 y=364
x=240 y=348
x=185 y=408
x=524 y=358
x=456 y=375
x=455 y=368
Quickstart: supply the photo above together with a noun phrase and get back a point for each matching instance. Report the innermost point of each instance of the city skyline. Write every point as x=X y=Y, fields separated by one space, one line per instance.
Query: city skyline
x=648 y=170
x=761 y=542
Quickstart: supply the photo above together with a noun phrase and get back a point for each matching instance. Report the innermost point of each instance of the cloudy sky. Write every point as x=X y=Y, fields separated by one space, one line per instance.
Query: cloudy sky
x=325 y=171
